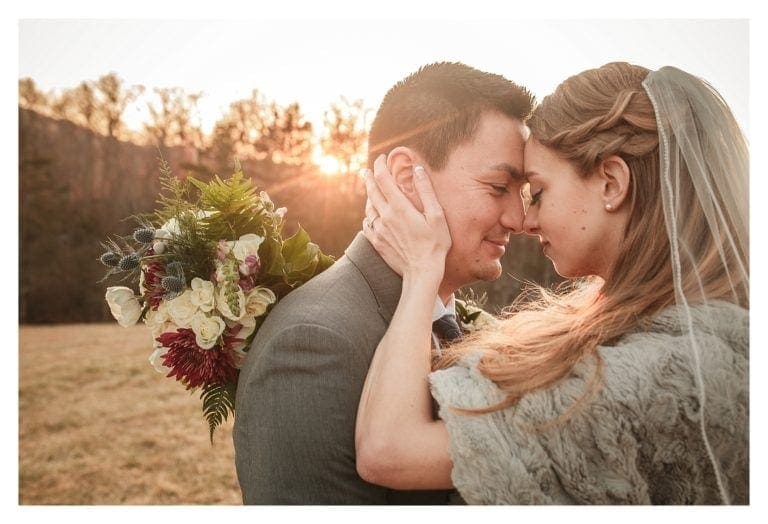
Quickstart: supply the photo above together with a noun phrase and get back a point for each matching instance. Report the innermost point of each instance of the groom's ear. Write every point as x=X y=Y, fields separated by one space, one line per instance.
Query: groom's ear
x=400 y=162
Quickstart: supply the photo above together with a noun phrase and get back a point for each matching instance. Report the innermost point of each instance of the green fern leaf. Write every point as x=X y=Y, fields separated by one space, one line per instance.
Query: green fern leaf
x=218 y=403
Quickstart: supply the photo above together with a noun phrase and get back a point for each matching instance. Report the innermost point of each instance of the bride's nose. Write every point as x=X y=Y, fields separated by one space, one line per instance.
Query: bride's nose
x=531 y=221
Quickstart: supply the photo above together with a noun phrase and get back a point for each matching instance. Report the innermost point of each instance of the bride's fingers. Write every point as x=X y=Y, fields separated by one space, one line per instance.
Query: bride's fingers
x=386 y=184
x=375 y=197
x=426 y=192
x=370 y=211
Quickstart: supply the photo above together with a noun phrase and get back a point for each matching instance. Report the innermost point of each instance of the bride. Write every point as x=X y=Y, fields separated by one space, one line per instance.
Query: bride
x=628 y=387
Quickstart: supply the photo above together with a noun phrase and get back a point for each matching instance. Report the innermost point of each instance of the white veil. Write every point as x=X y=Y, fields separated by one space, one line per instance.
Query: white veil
x=705 y=191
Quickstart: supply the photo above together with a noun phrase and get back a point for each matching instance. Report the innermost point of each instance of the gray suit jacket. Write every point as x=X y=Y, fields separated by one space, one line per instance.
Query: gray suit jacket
x=300 y=385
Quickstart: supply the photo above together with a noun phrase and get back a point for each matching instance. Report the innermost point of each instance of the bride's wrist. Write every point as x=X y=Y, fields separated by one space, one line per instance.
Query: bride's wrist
x=421 y=279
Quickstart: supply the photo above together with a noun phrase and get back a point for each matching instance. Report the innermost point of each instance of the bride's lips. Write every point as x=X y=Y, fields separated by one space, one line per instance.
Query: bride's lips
x=544 y=246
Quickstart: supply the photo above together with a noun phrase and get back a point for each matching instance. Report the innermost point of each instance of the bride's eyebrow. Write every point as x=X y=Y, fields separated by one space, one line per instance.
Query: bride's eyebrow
x=514 y=173
x=529 y=174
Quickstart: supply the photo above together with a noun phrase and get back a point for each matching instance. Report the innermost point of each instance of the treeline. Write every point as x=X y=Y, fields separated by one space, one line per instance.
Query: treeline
x=81 y=172
x=253 y=128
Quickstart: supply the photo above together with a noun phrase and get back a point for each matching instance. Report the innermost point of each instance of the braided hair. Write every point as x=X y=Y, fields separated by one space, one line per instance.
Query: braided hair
x=544 y=334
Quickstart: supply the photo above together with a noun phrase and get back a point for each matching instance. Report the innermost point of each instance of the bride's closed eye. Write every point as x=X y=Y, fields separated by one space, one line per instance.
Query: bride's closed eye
x=535 y=198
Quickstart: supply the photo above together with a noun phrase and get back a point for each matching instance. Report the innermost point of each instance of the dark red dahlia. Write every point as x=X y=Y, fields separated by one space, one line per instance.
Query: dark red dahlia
x=194 y=366
x=153 y=275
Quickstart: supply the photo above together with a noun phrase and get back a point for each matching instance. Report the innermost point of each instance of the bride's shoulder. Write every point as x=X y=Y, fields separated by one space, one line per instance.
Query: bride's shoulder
x=463 y=385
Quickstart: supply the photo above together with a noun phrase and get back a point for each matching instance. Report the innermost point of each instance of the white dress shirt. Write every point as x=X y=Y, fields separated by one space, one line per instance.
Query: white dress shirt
x=439 y=311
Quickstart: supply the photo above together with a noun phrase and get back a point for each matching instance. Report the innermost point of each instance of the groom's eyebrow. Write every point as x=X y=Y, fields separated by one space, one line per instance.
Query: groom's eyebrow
x=514 y=173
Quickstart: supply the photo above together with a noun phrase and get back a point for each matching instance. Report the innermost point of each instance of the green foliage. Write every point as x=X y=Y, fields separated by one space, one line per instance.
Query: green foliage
x=467 y=301
x=174 y=199
x=302 y=258
x=218 y=403
x=236 y=208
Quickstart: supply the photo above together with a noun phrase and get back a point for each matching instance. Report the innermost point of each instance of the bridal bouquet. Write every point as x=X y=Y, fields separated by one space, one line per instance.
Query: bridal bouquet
x=209 y=264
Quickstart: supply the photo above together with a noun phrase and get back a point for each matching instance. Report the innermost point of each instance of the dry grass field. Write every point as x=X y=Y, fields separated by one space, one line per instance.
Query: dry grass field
x=98 y=425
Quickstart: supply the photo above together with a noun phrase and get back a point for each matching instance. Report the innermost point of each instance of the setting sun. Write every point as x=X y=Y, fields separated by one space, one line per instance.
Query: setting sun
x=329 y=165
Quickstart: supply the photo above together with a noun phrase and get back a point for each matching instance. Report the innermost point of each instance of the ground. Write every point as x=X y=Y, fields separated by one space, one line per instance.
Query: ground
x=98 y=425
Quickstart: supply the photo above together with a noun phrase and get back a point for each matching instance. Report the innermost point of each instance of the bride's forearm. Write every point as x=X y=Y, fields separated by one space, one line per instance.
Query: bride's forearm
x=395 y=399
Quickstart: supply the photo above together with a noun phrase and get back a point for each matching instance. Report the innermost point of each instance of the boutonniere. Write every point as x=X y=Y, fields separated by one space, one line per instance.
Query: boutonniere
x=471 y=315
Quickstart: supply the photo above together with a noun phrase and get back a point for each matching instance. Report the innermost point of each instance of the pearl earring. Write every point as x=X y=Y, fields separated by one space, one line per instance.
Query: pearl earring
x=609 y=207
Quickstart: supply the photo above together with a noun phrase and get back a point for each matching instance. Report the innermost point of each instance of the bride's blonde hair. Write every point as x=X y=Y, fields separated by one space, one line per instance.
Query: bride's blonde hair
x=544 y=334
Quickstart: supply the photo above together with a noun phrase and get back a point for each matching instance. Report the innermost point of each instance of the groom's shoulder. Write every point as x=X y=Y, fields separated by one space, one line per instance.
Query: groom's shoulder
x=331 y=300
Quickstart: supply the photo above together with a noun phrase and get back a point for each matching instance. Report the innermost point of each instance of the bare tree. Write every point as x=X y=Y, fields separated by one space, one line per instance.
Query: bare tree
x=30 y=97
x=346 y=134
x=172 y=118
x=287 y=136
x=78 y=105
x=113 y=98
x=238 y=132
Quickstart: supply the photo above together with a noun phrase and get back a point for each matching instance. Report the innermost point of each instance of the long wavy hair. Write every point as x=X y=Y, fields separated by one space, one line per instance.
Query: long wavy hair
x=544 y=334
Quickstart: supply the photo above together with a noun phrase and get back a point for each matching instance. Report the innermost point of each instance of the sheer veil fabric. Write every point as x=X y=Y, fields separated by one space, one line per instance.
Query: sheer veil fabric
x=705 y=190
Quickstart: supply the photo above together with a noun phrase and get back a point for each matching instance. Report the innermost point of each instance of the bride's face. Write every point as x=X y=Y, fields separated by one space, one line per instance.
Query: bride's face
x=567 y=212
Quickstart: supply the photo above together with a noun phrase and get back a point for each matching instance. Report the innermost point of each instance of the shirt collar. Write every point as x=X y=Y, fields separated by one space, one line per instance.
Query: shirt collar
x=440 y=309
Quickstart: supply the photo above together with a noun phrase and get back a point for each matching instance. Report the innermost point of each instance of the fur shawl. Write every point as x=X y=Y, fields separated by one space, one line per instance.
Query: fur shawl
x=638 y=441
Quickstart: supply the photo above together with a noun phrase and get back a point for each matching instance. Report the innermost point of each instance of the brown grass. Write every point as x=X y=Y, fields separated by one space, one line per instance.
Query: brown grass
x=98 y=425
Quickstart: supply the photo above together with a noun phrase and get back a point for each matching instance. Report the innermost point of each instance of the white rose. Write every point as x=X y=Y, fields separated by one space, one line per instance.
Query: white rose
x=258 y=300
x=166 y=326
x=202 y=294
x=247 y=245
x=207 y=329
x=223 y=306
x=181 y=309
x=123 y=305
x=156 y=317
x=156 y=359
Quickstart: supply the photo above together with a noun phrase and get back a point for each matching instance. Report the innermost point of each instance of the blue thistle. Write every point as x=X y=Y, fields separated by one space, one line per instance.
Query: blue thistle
x=144 y=235
x=129 y=262
x=172 y=284
x=110 y=259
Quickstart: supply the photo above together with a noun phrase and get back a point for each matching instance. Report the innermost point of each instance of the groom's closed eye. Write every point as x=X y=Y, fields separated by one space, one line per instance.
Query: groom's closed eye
x=513 y=173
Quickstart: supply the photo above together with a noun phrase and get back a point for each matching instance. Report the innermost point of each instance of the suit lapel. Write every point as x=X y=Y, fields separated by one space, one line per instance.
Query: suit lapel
x=385 y=284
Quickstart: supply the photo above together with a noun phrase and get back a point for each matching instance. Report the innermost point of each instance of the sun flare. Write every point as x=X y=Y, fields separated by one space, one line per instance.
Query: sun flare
x=330 y=165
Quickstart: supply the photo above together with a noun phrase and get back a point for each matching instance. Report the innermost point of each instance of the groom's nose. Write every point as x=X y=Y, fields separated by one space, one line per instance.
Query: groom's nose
x=513 y=215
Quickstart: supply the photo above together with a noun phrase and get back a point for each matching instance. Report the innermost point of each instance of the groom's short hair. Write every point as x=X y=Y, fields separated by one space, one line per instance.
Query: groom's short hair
x=438 y=107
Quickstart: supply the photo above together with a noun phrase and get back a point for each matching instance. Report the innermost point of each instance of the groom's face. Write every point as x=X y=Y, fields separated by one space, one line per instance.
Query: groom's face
x=479 y=190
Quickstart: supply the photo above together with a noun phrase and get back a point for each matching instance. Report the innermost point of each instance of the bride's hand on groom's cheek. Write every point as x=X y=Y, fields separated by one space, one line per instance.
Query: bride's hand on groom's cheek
x=409 y=241
x=375 y=233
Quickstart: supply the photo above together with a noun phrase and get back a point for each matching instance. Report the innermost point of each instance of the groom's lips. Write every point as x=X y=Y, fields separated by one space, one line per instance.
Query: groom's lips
x=499 y=245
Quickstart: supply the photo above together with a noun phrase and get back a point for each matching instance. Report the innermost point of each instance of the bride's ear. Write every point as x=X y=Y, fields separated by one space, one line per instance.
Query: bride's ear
x=614 y=179
x=400 y=162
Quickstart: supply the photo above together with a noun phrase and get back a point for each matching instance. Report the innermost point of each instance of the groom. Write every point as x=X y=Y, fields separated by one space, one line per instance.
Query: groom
x=300 y=385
